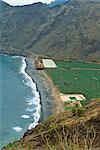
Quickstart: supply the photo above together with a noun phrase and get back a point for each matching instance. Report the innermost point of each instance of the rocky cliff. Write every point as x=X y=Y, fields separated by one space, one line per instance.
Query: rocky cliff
x=69 y=30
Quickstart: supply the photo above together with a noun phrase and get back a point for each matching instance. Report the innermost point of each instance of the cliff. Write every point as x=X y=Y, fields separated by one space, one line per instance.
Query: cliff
x=67 y=130
x=69 y=30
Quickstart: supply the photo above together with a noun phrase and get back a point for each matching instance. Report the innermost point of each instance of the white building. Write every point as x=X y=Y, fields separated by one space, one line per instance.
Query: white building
x=49 y=63
x=71 y=97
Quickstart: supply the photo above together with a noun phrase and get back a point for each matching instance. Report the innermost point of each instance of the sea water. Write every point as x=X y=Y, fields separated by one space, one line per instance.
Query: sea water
x=19 y=99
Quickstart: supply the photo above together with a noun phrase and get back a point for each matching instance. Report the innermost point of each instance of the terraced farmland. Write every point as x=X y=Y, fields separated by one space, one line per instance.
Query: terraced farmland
x=77 y=77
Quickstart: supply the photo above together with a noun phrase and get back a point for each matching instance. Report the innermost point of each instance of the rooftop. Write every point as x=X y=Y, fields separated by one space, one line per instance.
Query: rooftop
x=49 y=63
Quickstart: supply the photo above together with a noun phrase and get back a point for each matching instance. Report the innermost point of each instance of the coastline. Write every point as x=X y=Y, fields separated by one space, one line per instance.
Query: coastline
x=43 y=84
x=49 y=94
x=35 y=92
x=49 y=98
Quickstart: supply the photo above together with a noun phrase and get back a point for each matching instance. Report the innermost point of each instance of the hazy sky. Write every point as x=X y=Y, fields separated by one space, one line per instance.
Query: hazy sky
x=25 y=2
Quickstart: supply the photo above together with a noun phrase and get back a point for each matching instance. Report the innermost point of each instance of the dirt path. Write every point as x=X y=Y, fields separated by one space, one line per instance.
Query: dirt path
x=55 y=93
x=80 y=69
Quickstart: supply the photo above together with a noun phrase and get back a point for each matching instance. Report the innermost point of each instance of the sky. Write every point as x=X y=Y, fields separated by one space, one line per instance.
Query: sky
x=25 y=2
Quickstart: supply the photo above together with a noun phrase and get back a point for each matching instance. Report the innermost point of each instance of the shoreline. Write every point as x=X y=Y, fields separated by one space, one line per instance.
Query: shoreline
x=28 y=72
x=48 y=99
x=43 y=86
x=49 y=94
x=49 y=103
x=35 y=92
x=48 y=91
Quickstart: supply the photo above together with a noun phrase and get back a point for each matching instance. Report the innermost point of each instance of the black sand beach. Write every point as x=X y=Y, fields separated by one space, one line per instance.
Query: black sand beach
x=47 y=99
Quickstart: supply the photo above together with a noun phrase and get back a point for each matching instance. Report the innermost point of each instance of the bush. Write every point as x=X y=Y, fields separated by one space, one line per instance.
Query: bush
x=77 y=111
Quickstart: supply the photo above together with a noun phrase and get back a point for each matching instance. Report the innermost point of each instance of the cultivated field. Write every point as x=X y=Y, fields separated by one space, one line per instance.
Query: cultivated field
x=77 y=77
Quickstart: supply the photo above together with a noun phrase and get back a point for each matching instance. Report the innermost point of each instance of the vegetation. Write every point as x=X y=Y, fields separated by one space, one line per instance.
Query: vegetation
x=64 y=131
x=77 y=111
x=77 y=77
x=70 y=30
x=71 y=141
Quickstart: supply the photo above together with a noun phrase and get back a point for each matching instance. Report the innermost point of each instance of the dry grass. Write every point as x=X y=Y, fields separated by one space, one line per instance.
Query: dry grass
x=64 y=131
x=71 y=139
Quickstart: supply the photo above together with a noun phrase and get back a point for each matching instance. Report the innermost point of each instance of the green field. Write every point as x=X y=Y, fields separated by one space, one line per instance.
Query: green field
x=77 y=77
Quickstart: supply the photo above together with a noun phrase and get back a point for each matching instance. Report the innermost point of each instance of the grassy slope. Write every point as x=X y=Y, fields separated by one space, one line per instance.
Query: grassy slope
x=86 y=81
x=63 y=131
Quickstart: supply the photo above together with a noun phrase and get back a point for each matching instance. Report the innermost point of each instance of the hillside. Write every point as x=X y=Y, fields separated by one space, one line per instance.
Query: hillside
x=67 y=130
x=69 y=30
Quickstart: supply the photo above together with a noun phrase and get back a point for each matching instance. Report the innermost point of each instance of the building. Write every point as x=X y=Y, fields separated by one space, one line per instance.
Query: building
x=72 y=97
x=39 y=64
x=45 y=64
x=71 y=100
x=49 y=63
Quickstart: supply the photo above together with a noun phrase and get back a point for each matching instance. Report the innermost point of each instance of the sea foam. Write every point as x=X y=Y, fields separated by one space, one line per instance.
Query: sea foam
x=15 y=56
x=36 y=96
x=25 y=116
x=30 y=109
x=17 y=129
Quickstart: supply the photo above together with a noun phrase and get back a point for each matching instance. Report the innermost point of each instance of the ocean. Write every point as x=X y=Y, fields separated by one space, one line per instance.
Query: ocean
x=19 y=99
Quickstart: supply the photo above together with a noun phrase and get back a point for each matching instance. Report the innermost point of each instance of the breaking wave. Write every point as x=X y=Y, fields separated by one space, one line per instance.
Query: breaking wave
x=36 y=96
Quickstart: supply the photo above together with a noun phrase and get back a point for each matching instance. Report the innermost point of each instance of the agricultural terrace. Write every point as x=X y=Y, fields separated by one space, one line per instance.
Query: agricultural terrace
x=77 y=77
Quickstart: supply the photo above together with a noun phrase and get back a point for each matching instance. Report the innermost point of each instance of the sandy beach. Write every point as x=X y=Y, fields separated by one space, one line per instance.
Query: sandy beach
x=49 y=95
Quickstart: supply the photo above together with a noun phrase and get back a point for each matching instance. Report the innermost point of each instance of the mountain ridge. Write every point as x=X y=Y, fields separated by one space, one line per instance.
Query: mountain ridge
x=70 y=30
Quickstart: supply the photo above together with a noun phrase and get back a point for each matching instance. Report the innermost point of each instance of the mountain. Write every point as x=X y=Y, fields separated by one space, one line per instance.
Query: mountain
x=69 y=30
x=56 y=2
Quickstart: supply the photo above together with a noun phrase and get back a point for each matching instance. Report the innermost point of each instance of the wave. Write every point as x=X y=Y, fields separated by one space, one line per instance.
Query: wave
x=15 y=56
x=25 y=116
x=17 y=129
x=30 y=109
x=36 y=96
